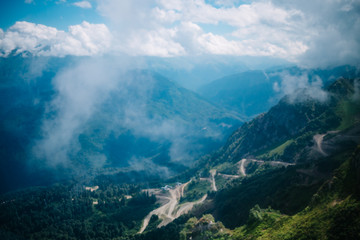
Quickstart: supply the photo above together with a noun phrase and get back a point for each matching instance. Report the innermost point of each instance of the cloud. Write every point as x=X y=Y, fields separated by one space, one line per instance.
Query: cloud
x=176 y=25
x=81 y=40
x=311 y=34
x=29 y=1
x=300 y=88
x=331 y=31
x=296 y=31
x=83 y=4
x=81 y=89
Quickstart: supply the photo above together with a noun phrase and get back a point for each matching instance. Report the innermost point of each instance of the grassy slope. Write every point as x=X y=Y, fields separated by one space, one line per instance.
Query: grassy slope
x=334 y=212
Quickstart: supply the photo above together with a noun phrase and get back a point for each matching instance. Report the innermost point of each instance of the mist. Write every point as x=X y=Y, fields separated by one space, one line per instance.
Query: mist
x=101 y=105
x=79 y=91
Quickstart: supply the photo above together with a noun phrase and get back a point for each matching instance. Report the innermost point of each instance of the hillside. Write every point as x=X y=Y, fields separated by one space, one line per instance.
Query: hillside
x=289 y=126
x=251 y=171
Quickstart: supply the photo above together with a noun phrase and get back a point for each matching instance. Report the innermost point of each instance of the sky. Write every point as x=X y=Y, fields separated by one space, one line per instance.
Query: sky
x=316 y=33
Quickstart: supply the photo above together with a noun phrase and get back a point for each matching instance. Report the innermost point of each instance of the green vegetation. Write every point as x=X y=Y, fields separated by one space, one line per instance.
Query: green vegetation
x=196 y=190
x=278 y=151
x=221 y=182
x=227 y=168
x=334 y=212
x=349 y=112
x=68 y=211
x=204 y=228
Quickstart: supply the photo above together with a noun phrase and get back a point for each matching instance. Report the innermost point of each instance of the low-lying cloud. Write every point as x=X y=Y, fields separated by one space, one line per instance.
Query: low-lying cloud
x=80 y=91
x=300 y=88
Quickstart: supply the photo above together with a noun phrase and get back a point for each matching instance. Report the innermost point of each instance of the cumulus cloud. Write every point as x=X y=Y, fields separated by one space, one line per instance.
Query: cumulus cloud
x=310 y=33
x=83 y=4
x=176 y=25
x=315 y=33
x=81 y=40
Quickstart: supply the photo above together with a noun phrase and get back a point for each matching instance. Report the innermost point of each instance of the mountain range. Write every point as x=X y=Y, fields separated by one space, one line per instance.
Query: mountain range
x=253 y=92
x=291 y=172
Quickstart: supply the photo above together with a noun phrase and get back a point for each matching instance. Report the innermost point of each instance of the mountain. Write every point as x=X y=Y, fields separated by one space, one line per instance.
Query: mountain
x=193 y=72
x=253 y=92
x=51 y=122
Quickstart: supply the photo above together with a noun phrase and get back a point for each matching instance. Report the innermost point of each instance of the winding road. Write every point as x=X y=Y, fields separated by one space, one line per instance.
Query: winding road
x=171 y=208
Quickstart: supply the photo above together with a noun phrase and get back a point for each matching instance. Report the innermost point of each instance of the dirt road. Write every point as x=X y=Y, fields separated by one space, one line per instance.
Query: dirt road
x=186 y=207
x=213 y=184
x=318 y=138
x=242 y=167
x=169 y=211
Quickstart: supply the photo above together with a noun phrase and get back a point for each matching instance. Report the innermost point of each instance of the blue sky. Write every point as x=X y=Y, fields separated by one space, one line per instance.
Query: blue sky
x=309 y=32
x=53 y=13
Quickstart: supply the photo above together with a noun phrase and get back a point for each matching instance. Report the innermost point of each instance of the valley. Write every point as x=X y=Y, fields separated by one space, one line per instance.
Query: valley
x=275 y=166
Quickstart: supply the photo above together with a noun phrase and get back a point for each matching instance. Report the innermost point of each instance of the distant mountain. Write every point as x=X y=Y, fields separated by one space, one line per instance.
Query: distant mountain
x=196 y=71
x=253 y=92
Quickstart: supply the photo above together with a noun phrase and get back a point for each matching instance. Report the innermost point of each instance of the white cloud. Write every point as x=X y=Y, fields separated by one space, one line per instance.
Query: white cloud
x=316 y=33
x=300 y=88
x=29 y=1
x=81 y=40
x=262 y=29
x=83 y=4
x=297 y=31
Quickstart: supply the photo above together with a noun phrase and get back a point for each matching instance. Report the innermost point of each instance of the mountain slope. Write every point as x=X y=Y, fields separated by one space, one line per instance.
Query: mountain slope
x=253 y=92
x=291 y=125
x=333 y=212
x=288 y=132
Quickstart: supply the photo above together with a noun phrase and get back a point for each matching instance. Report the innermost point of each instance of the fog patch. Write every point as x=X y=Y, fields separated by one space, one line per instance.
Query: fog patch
x=149 y=167
x=80 y=90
